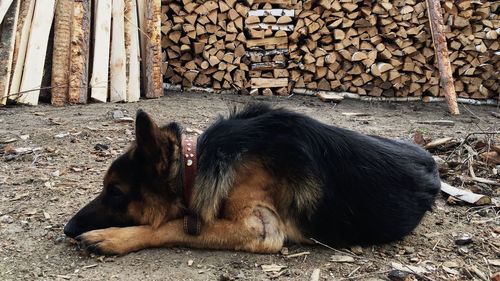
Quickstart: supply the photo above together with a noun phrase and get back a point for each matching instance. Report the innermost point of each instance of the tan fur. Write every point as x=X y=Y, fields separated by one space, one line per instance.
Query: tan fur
x=248 y=221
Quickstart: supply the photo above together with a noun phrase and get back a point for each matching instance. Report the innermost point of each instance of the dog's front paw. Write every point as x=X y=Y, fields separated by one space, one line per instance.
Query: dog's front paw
x=110 y=241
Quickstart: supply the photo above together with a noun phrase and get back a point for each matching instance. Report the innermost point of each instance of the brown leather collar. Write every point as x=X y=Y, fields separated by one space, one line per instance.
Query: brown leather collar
x=190 y=167
x=192 y=222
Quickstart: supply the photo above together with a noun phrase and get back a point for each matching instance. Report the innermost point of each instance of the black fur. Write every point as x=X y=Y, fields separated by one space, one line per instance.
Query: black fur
x=348 y=188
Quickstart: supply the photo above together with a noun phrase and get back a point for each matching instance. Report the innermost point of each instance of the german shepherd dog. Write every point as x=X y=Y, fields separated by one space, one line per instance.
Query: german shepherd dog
x=252 y=181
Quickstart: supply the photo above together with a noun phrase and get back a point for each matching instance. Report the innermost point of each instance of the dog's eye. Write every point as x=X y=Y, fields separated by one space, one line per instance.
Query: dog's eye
x=114 y=191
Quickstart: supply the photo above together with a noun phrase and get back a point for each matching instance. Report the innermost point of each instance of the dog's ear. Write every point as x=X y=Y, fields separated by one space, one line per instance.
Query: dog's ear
x=147 y=134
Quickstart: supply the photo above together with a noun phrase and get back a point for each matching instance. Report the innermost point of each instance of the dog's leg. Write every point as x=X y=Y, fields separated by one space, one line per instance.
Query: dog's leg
x=259 y=230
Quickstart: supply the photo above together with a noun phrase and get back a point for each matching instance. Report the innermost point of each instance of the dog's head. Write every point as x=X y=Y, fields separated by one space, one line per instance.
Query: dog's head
x=141 y=187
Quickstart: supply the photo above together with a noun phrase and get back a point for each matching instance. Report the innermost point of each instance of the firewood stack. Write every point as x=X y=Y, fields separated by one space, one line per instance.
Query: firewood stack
x=268 y=27
x=385 y=48
x=376 y=48
x=473 y=39
x=204 y=44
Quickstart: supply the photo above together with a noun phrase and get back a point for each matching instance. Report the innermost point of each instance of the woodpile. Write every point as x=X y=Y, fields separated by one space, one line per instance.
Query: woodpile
x=381 y=49
x=204 y=44
x=98 y=50
x=385 y=48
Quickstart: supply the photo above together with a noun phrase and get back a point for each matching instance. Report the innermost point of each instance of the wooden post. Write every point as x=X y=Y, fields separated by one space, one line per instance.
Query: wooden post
x=61 y=53
x=79 y=55
x=441 y=50
x=7 y=33
x=150 y=23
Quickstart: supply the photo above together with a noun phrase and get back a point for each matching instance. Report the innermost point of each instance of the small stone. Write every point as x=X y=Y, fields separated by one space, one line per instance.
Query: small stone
x=284 y=251
x=190 y=262
x=117 y=114
x=56 y=173
x=399 y=275
x=60 y=239
x=6 y=219
x=357 y=250
x=409 y=250
x=61 y=135
x=101 y=147
x=464 y=239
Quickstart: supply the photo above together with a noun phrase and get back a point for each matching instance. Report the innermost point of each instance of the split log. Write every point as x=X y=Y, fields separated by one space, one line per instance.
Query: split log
x=102 y=37
x=36 y=52
x=133 y=66
x=79 y=55
x=4 y=7
x=61 y=52
x=22 y=35
x=7 y=34
x=150 y=23
x=118 y=83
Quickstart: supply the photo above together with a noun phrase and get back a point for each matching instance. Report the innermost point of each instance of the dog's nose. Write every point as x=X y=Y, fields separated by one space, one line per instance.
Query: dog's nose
x=71 y=230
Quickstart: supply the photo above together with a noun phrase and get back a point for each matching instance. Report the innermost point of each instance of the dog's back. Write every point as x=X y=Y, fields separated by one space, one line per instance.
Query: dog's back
x=347 y=188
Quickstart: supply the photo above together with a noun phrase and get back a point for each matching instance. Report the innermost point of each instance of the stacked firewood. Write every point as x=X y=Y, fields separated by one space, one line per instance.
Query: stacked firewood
x=268 y=28
x=77 y=51
x=381 y=48
x=473 y=38
x=385 y=48
x=204 y=44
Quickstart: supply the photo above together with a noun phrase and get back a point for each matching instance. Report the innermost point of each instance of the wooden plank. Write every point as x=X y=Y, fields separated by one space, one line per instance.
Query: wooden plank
x=118 y=85
x=4 y=7
x=36 y=52
x=61 y=52
x=268 y=82
x=151 y=62
x=272 y=12
x=22 y=37
x=7 y=35
x=79 y=56
x=266 y=41
x=102 y=38
x=274 y=27
x=132 y=51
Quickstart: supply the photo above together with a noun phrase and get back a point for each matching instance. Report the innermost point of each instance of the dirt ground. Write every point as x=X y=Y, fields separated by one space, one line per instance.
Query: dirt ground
x=42 y=189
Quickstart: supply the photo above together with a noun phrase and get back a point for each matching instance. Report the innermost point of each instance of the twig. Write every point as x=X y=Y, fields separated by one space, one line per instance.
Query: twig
x=297 y=255
x=479 y=179
x=354 y=271
x=357 y=277
x=466 y=138
x=435 y=245
x=370 y=259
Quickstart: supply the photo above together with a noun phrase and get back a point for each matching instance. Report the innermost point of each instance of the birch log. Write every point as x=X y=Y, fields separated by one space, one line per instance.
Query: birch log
x=4 y=7
x=7 y=34
x=118 y=87
x=133 y=67
x=61 y=53
x=441 y=50
x=79 y=54
x=37 y=49
x=22 y=37
x=151 y=25
x=100 y=69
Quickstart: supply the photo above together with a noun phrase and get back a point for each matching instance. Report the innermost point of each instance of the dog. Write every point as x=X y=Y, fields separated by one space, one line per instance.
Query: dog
x=254 y=180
